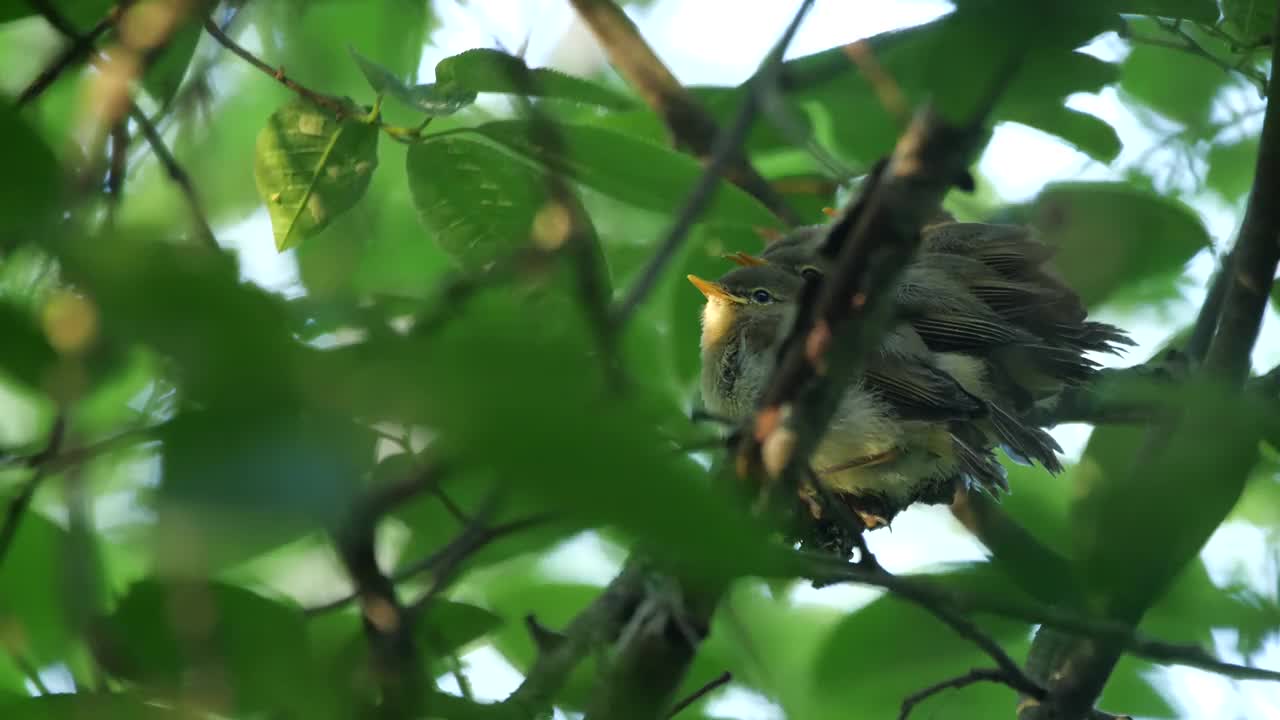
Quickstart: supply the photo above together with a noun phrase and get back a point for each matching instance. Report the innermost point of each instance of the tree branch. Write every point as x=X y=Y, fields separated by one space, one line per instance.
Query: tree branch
x=19 y=503
x=928 y=595
x=725 y=150
x=177 y=174
x=1256 y=252
x=691 y=126
x=972 y=677
x=596 y=625
x=339 y=107
x=79 y=47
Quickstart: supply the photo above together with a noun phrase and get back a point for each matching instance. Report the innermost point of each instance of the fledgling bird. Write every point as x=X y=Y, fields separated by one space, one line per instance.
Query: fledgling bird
x=981 y=331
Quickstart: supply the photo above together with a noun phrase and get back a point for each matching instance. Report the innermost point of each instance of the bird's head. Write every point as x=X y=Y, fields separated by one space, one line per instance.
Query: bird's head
x=755 y=300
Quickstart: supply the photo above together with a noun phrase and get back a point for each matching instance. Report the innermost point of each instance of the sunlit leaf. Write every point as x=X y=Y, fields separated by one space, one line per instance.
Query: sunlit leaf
x=478 y=201
x=1089 y=134
x=1164 y=509
x=33 y=605
x=310 y=168
x=1171 y=81
x=1111 y=236
x=1231 y=167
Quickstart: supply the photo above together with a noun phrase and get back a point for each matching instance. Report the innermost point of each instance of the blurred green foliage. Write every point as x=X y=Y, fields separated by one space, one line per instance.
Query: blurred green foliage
x=432 y=322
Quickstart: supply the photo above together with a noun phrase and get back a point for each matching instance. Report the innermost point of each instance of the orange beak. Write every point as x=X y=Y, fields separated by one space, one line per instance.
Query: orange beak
x=744 y=259
x=714 y=291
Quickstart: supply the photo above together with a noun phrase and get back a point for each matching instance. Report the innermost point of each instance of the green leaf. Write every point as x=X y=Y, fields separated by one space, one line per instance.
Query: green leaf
x=895 y=648
x=1164 y=510
x=478 y=201
x=485 y=70
x=27 y=352
x=31 y=179
x=1231 y=168
x=435 y=100
x=33 y=606
x=1254 y=20
x=1089 y=134
x=164 y=76
x=382 y=80
x=1170 y=81
x=635 y=171
x=1205 y=11
x=238 y=481
x=79 y=706
x=309 y=168
x=168 y=636
x=431 y=98
x=1112 y=236
x=940 y=62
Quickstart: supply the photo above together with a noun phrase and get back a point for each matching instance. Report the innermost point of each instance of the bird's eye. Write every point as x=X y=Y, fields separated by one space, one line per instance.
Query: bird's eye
x=761 y=296
x=809 y=272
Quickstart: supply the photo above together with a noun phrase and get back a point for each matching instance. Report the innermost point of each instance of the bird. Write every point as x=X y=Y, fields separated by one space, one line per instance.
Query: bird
x=982 y=330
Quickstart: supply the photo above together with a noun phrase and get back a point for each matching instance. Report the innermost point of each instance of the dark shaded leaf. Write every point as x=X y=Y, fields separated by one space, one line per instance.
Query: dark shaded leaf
x=165 y=74
x=485 y=70
x=31 y=181
x=1112 y=236
x=1253 y=20
x=310 y=168
x=84 y=14
x=241 y=481
x=86 y=705
x=1205 y=11
x=27 y=354
x=164 y=635
x=203 y=325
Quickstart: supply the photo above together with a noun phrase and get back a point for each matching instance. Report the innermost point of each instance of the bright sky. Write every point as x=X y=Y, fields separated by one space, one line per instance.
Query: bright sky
x=720 y=42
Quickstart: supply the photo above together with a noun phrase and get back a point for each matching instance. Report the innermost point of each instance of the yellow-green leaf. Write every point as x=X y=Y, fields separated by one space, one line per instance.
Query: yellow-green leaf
x=310 y=168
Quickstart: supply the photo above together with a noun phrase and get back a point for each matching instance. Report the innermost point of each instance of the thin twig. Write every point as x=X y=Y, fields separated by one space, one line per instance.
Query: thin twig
x=928 y=595
x=723 y=152
x=972 y=677
x=335 y=105
x=177 y=174
x=79 y=47
x=691 y=126
x=719 y=681
x=426 y=564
